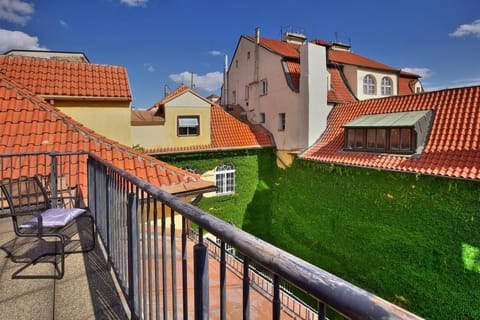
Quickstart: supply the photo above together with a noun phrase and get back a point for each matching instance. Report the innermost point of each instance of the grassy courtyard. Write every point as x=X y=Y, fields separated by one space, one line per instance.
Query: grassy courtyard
x=413 y=240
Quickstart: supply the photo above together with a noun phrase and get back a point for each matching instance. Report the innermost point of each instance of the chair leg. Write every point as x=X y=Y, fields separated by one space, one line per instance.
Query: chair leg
x=59 y=271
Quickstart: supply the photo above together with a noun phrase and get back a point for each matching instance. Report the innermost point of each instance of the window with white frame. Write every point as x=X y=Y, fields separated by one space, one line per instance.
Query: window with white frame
x=281 y=122
x=188 y=126
x=225 y=179
x=369 y=85
x=387 y=86
x=263 y=87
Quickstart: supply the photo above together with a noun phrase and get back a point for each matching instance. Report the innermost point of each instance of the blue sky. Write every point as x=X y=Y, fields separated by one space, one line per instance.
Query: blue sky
x=161 y=42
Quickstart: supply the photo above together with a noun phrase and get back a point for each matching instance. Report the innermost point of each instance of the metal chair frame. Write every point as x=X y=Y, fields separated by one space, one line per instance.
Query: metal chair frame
x=32 y=199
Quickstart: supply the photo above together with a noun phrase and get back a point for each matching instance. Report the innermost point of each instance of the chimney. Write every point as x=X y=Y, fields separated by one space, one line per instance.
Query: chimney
x=313 y=92
x=294 y=37
x=257 y=35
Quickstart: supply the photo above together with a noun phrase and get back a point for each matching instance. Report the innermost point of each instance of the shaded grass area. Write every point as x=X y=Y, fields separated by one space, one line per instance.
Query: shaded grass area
x=412 y=240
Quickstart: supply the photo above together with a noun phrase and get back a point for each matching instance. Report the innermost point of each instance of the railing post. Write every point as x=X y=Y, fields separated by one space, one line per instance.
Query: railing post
x=53 y=180
x=132 y=225
x=200 y=266
x=107 y=210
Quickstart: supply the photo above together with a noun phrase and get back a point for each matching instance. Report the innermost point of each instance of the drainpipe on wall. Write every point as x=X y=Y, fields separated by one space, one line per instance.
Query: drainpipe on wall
x=256 y=72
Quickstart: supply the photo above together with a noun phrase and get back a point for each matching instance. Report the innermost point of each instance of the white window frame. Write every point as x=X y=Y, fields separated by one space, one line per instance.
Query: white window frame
x=387 y=86
x=188 y=122
x=225 y=179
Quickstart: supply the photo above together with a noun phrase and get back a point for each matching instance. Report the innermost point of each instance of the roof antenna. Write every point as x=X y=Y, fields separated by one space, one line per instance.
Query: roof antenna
x=166 y=90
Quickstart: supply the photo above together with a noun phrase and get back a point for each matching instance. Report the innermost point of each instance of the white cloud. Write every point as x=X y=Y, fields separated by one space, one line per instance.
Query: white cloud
x=467 y=29
x=18 y=40
x=423 y=72
x=210 y=82
x=149 y=67
x=16 y=11
x=63 y=24
x=214 y=53
x=468 y=82
x=134 y=3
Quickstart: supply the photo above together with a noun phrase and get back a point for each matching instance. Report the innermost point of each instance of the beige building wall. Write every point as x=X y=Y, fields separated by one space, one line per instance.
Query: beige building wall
x=279 y=99
x=163 y=136
x=108 y=118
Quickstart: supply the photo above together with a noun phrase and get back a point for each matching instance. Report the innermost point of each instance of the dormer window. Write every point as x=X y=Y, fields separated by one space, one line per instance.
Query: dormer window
x=369 y=85
x=397 y=133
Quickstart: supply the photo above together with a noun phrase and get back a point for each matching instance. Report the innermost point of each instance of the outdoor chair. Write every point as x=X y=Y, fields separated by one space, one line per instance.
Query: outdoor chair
x=26 y=200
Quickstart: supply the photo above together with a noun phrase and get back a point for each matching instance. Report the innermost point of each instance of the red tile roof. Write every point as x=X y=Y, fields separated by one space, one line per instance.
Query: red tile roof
x=53 y=77
x=30 y=124
x=453 y=144
x=339 y=92
x=287 y=50
x=347 y=57
x=178 y=91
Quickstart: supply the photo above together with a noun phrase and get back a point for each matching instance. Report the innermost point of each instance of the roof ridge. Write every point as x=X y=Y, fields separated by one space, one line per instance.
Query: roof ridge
x=60 y=61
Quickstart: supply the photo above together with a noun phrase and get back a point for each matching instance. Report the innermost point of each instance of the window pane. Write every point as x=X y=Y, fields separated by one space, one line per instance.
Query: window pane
x=350 y=138
x=406 y=140
x=359 y=143
x=395 y=139
x=380 y=141
x=371 y=139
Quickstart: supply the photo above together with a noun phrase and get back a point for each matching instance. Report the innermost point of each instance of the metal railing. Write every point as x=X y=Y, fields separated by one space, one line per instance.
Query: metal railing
x=165 y=275
x=152 y=259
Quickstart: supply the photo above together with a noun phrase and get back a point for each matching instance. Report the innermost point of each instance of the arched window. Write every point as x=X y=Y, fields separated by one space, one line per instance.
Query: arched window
x=386 y=86
x=225 y=179
x=369 y=85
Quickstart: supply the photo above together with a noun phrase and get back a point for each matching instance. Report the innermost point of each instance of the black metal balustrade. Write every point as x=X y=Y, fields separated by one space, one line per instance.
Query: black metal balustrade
x=165 y=275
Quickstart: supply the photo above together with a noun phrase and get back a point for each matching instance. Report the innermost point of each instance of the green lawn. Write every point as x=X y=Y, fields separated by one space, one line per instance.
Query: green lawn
x=413 y=240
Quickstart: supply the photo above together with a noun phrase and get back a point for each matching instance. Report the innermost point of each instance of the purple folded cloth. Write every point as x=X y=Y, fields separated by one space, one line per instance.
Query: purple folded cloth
x=54 y=218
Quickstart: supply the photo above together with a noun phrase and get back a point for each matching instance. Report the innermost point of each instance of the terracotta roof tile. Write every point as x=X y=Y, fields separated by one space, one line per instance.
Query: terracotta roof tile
x=339 y=92
x=288 y=50
x=452 y=147
x=49 y=77
x=347 y=57
x=30 y=124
